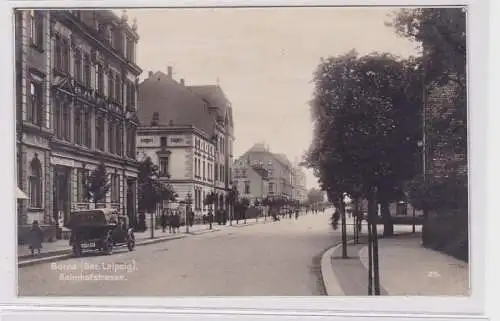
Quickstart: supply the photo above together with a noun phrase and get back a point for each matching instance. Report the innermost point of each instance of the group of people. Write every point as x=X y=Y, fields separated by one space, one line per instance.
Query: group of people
x=172 y=220
x=290 y=213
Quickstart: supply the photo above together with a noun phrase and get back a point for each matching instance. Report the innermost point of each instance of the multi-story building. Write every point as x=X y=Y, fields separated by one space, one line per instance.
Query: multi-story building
x=278 y=167
x=188 y=137
x=251 y=179
x=299 y=184
x=76 y=104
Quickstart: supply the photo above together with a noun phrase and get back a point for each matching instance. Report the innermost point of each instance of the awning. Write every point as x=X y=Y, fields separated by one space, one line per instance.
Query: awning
x=20 y=195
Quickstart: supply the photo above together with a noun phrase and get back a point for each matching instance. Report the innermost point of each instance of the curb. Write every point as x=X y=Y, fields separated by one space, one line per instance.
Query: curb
x=330 y=282
x=67 y=254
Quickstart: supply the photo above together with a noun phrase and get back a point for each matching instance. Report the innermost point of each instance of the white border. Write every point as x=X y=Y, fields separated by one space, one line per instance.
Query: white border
x=383 y=307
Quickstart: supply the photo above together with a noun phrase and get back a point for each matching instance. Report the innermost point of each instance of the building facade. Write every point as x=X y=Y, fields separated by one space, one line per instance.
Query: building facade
x=250 y=179
x=76 y=105
x=196 y=128
x=299 y=184
x=185 y=159
x=278 y=169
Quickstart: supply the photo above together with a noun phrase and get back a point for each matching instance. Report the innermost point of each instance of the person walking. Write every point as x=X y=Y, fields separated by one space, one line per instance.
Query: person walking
x=191 y=218
x=35 y=238
x=296 y=214
x=163 y=221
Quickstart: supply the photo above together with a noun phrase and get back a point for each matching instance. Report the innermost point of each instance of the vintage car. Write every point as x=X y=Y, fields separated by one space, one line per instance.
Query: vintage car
x=99 y=230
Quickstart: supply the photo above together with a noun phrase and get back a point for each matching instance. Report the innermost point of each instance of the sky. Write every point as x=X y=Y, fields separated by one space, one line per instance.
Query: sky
x=263 y=59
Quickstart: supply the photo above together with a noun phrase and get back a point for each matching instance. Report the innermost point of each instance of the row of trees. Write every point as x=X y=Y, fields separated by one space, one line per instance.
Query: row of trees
x=367 y=113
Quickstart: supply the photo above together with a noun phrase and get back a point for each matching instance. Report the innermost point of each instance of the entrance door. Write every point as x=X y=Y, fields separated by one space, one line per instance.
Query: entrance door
x=131 y=201
x=61 y=194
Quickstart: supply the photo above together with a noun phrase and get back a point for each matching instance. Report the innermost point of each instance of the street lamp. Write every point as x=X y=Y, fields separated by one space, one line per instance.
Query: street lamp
x=189 y=201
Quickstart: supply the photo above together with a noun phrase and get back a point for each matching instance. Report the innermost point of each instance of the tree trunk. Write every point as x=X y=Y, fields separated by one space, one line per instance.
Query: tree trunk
x=370 y=261
x=372 y=213
x=344 y=229
x=387 y=218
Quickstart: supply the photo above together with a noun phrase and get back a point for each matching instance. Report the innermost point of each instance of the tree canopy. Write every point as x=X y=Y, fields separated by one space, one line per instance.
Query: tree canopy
x=97 y=185
x=150 y=189
x=366 y=112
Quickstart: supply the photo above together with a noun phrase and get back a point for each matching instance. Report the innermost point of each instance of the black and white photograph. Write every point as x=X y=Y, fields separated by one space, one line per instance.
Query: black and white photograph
x=242 y=151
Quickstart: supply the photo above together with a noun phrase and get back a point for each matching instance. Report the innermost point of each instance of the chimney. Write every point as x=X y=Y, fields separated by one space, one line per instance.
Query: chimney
x=169 y=72
x=150 y=74
x=182 y=81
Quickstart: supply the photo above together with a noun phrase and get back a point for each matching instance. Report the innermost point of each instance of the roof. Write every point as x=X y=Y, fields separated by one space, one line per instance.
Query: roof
x=216 y=98
x=173 y=102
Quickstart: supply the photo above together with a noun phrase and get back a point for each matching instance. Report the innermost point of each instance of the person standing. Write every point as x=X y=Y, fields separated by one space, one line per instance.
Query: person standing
x=35 y=238
x=163 y=221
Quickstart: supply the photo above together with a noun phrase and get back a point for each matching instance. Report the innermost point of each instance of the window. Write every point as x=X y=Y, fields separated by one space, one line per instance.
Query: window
x=78 y=134
x=130 y=50
x=62 y=120
x=36 y=29
x=87 y=67
x=164 y=166
x=66 y=123
x=35 y=103
x=78 y=66
x=221 y=173
x=111 y=136
x=118 y=89
x=204 y=177
x=62 y=55
x=131 y=141
x=87 y=128
x=115 y=188
x=99 y=132
x=99 y=78
x=81 y=176
x=111 y=85
x=163 y=142
x=117 y=40
x=247 y=187
x=119 y=138
x=216 y=172
x=35 y=183
x=271 y=188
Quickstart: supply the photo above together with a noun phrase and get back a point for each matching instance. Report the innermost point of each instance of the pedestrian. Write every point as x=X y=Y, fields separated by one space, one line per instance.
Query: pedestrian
x=171 y=228
x=177 y=221
x=210 y=216
x=163 y=221
x=191 y=218
x=290 y=214
x=35 y=238
x=296 y=213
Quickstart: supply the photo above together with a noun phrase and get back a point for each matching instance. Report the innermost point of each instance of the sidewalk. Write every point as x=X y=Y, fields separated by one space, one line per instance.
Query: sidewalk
x=62 y=246
x=406 y=268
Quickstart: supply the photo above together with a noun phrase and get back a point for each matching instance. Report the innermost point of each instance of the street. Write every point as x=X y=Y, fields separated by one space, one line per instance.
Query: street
x=275 y=259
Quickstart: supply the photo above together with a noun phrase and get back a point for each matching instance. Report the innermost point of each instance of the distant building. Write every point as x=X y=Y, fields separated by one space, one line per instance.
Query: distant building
x=299 y=184
x=279 y=170
x=76 y=76
x=251 y=179
x=188 y=137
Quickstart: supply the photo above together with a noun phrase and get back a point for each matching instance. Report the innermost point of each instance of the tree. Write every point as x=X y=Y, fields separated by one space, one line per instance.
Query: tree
x=366 y=114
x=97 y=185
x=210 y=200
x=442 y=35
x=151 y=190
x=315 y=196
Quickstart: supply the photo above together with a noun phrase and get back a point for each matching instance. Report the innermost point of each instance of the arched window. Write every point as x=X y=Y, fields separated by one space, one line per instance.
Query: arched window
x=35 y=183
